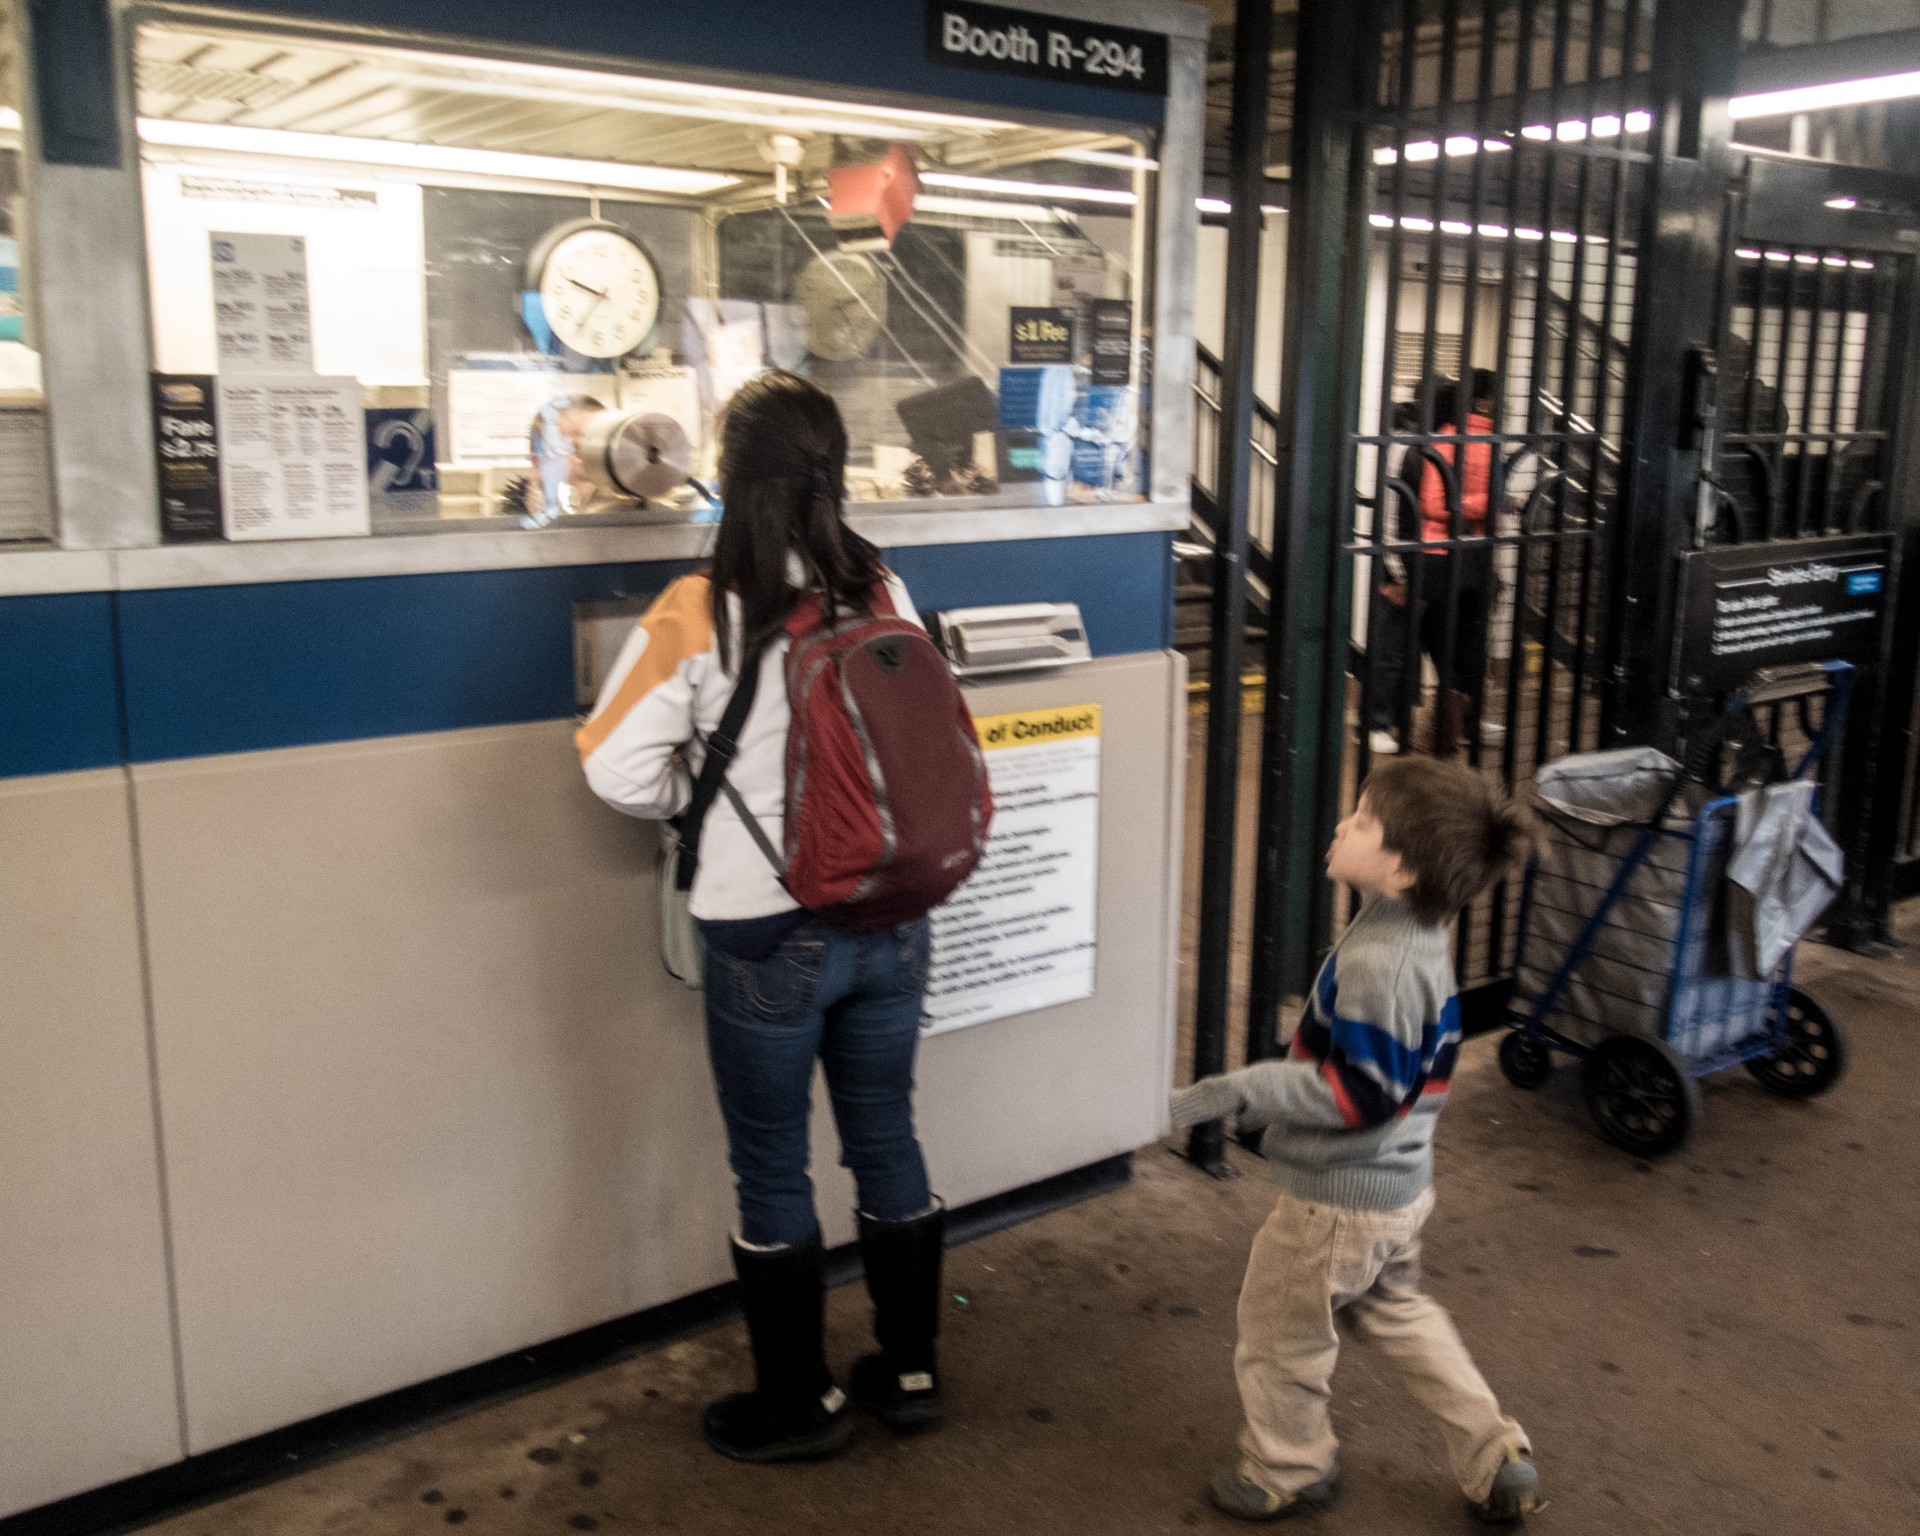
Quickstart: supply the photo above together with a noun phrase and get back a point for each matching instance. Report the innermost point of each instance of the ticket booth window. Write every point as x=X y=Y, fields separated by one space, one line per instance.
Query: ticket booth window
x=26 y=513
x=530 y=290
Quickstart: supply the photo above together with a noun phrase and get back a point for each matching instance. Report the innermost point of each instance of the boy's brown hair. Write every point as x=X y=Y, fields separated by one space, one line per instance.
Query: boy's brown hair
x=1455 y=832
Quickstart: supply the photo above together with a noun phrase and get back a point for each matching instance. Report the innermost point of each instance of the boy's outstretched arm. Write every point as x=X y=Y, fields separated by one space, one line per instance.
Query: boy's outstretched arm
x=1360 y=1056
x=1266 y=1092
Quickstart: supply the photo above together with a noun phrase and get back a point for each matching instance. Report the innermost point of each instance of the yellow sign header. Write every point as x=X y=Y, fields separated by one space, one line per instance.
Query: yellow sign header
x=1036 y=728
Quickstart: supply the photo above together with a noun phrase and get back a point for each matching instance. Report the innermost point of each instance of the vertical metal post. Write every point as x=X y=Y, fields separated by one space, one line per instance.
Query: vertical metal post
x=1247 y=146
x=1882 y=765
x=1696 y=44
x=1328 y=241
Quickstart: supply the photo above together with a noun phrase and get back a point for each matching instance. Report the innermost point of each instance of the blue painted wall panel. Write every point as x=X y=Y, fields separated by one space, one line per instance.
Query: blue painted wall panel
x=58 y=709
x=245 y=668
x=238 y=669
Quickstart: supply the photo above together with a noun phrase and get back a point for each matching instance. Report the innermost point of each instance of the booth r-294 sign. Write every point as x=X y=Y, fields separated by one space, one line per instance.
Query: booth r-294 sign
x=1044 y=47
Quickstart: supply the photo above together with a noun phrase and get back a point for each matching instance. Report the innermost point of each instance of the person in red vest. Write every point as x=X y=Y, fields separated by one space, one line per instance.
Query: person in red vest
x=1452 y=506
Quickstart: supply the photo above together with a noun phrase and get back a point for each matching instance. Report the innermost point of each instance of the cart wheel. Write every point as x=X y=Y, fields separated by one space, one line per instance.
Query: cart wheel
x=1640 y=1094
x=1525 y=1061
x=1814 y=1057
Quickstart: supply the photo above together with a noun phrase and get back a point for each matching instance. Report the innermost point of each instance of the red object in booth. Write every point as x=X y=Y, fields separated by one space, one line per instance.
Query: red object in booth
x=884 y=190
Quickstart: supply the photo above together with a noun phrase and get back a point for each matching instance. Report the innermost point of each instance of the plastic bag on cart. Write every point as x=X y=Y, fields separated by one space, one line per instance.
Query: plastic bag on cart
x=1593 y=807
x=1784 y=872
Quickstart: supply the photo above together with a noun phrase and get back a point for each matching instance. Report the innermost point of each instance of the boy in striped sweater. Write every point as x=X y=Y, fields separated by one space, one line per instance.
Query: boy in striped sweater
x=1348 y=1117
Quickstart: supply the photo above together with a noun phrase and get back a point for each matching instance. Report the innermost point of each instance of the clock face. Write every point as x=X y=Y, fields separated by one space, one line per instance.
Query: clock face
x=845 y=298
x=599 y=290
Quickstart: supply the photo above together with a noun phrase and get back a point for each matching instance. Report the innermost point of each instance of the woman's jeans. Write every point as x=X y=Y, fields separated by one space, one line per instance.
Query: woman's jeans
x=853 y=1001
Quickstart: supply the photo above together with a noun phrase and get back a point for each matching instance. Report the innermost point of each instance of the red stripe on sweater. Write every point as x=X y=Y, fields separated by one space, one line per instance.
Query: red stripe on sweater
x=1349 y=1112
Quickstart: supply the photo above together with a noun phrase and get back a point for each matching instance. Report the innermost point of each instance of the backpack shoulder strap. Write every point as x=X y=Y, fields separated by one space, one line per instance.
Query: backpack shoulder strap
x=720 y=749
x=805 y=618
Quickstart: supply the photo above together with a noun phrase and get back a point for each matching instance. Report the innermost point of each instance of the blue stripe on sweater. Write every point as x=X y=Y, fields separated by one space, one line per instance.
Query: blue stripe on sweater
x=1380 y=1075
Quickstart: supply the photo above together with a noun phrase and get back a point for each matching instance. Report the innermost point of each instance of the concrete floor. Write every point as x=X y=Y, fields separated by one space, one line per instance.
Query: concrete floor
x=1724 y=1344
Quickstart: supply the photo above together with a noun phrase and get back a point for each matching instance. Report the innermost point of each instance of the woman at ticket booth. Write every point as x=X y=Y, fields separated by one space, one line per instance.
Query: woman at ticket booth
x=783 y=987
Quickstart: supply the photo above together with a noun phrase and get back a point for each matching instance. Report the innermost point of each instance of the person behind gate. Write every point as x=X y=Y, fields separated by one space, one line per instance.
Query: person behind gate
x=1349 y=1116
x=1455 y=587
x=792 y=692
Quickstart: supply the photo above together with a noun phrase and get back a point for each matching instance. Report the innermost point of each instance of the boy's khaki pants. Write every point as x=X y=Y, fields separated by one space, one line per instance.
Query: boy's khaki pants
x=1311 y=1261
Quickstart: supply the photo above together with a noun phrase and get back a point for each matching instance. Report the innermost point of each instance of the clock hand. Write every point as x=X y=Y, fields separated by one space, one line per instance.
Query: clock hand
x=598 y=293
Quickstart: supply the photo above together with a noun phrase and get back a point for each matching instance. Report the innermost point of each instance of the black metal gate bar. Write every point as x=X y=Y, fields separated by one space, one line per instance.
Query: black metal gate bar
x=1695 y=46
x=1554 y=358
x=1816 y=328
x=1320 y=382
x=1252 y=48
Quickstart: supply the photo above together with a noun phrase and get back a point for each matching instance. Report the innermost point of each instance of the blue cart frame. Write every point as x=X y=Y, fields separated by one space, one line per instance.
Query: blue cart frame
x=1641 y=1088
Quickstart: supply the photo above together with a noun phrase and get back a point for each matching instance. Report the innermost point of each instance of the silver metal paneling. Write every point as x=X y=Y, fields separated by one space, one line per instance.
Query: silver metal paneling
x=430 y=1097
x=87 y=1383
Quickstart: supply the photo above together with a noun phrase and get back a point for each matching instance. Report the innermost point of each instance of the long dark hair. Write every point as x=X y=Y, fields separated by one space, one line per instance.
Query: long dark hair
x=783 y=474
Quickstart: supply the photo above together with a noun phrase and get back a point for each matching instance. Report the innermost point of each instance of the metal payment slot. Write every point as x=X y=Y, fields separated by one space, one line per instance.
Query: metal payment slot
x=1013 y=637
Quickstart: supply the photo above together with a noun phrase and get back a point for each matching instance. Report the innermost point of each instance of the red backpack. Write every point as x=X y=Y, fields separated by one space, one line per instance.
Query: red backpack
x=887 y=797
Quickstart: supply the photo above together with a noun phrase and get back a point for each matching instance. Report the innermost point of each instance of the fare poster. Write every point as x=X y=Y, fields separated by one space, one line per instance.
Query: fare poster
x=1019 y=935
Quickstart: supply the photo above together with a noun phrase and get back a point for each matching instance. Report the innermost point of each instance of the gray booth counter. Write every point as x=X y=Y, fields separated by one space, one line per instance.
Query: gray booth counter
x=336 y=1054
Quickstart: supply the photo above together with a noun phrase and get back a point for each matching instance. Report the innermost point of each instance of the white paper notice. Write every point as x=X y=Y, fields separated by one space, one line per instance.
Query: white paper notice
x=493 y=408
x=1019 y=935
x=263 y=322
x=293 y=458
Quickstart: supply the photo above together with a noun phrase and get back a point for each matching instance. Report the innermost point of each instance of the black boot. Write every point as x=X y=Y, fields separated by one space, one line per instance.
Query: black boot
x=794 y=1412
x=901 y=1385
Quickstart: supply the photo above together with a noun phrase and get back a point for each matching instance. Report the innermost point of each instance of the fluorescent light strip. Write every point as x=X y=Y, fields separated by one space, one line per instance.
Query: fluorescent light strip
x=1821 y=98
x=9 y=119
x=1805 y=258
x=787 y=119
x=1573 y=131
x=1221 y=205
x=996 y=187
x=286 y=144
x=639 y=87
x=983 y=208
x=1414 y=224
x=1843 y=203
x=1108 y=157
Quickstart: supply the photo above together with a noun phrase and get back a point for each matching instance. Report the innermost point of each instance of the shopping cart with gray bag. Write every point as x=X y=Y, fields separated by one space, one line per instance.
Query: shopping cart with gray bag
x=1659 y=918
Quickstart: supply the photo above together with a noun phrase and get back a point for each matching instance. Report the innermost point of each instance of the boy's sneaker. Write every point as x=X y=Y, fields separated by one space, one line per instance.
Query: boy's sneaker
x=1383 y=743
x=1245 y=1499
x=1515 y=1493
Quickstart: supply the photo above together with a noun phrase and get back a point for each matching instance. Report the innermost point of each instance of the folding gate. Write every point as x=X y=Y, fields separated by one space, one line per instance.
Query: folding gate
x=1522 y=249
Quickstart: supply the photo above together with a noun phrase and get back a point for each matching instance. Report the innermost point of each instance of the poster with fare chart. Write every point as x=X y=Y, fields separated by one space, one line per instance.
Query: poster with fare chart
x=1020 y=934
x=293 y=458
x=263 y=320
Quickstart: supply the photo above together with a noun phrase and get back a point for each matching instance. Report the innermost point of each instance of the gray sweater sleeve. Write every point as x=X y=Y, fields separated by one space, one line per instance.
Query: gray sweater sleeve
x=1262 y=1094
x=1366 y=1053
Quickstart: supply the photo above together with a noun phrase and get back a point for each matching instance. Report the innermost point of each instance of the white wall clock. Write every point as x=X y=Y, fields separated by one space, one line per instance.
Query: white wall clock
x=599 y=290
x=845 y=298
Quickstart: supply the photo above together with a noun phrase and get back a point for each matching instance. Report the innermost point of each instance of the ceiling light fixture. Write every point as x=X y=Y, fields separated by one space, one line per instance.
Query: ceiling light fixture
x=1572 y=131
x=1221 y=205
x=884 y=120
x=983 y=208
x=996 y=187
x=399 y=155
x=1455 y=227
x=1422 y=150
x=1821 y=98
x=1109 y=157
